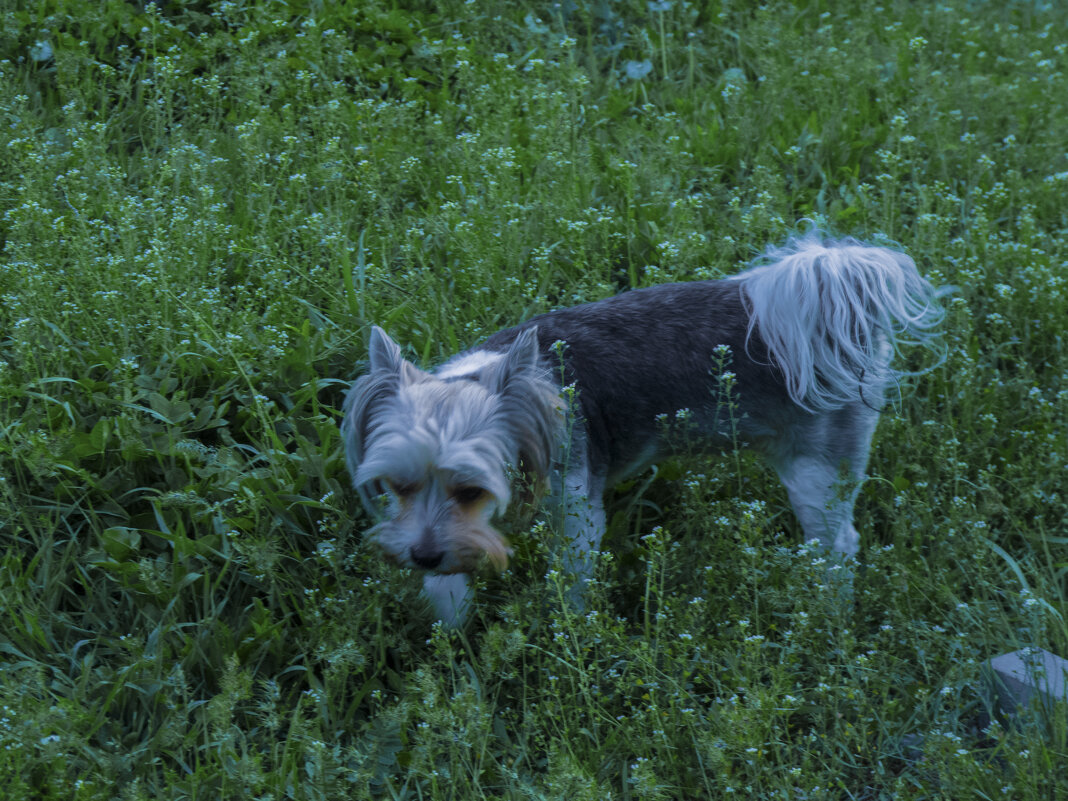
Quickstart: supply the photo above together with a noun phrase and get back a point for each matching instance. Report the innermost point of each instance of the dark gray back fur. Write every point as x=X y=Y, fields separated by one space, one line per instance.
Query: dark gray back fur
x=650 y=352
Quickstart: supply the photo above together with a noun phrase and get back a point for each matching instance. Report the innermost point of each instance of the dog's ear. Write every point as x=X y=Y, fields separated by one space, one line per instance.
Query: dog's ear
x=384 y=357
x=530 y=403
x=387 y=373
x=383 y=352
x=521 y=358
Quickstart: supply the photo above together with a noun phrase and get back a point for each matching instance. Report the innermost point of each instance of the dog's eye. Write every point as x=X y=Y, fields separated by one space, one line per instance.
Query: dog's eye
x=468 y=495
x=404 y=490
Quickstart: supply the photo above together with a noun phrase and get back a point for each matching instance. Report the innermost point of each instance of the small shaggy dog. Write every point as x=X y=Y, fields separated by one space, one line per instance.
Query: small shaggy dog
x=577 y=398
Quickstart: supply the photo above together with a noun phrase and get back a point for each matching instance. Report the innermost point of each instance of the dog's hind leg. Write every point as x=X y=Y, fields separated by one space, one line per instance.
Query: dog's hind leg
x=822 y=470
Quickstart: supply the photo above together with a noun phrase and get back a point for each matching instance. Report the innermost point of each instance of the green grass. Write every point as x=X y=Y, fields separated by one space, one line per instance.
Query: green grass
x=203 y=207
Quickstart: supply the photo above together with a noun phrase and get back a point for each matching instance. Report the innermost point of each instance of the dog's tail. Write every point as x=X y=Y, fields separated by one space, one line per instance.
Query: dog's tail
x=833 y=313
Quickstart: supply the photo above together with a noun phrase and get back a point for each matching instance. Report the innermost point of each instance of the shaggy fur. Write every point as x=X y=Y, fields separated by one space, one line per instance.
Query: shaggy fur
x=811 y=330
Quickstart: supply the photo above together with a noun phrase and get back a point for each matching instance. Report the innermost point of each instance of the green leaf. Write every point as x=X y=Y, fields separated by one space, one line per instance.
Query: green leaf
x=119 y=541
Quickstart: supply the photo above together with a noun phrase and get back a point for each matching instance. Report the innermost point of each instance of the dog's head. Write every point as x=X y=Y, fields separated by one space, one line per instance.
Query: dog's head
x=433 y=453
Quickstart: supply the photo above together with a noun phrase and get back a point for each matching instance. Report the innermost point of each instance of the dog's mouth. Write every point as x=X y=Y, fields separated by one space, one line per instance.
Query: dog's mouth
x=477 y=548
x=450 y=565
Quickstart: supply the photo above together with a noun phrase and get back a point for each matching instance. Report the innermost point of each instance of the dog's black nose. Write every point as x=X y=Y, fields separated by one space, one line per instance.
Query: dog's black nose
x=426 y=557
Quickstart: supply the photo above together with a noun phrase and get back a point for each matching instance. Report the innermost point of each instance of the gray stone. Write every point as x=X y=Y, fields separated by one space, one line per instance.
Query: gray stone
x=1025 y=677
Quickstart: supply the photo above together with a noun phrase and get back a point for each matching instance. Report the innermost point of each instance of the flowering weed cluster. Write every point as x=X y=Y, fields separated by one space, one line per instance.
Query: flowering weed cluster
x=203 y=205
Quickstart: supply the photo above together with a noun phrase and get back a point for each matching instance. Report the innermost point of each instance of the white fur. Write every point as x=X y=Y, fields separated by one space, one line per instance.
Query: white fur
x=579 y=492
x=825 y=310
x=450 y=595
x=468 y=364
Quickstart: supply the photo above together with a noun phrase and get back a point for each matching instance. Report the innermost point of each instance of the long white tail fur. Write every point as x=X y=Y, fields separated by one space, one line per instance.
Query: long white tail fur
x=833 y=313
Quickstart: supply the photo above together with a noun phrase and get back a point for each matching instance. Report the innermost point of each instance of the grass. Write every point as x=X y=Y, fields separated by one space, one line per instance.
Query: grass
x=203 y=207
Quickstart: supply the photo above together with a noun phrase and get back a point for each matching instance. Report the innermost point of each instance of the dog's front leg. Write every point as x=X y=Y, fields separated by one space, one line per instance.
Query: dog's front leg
x=450 y=596
x=582 y=525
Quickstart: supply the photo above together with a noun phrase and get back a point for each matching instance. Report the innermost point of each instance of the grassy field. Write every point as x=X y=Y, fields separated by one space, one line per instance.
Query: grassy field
x=204 y=206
